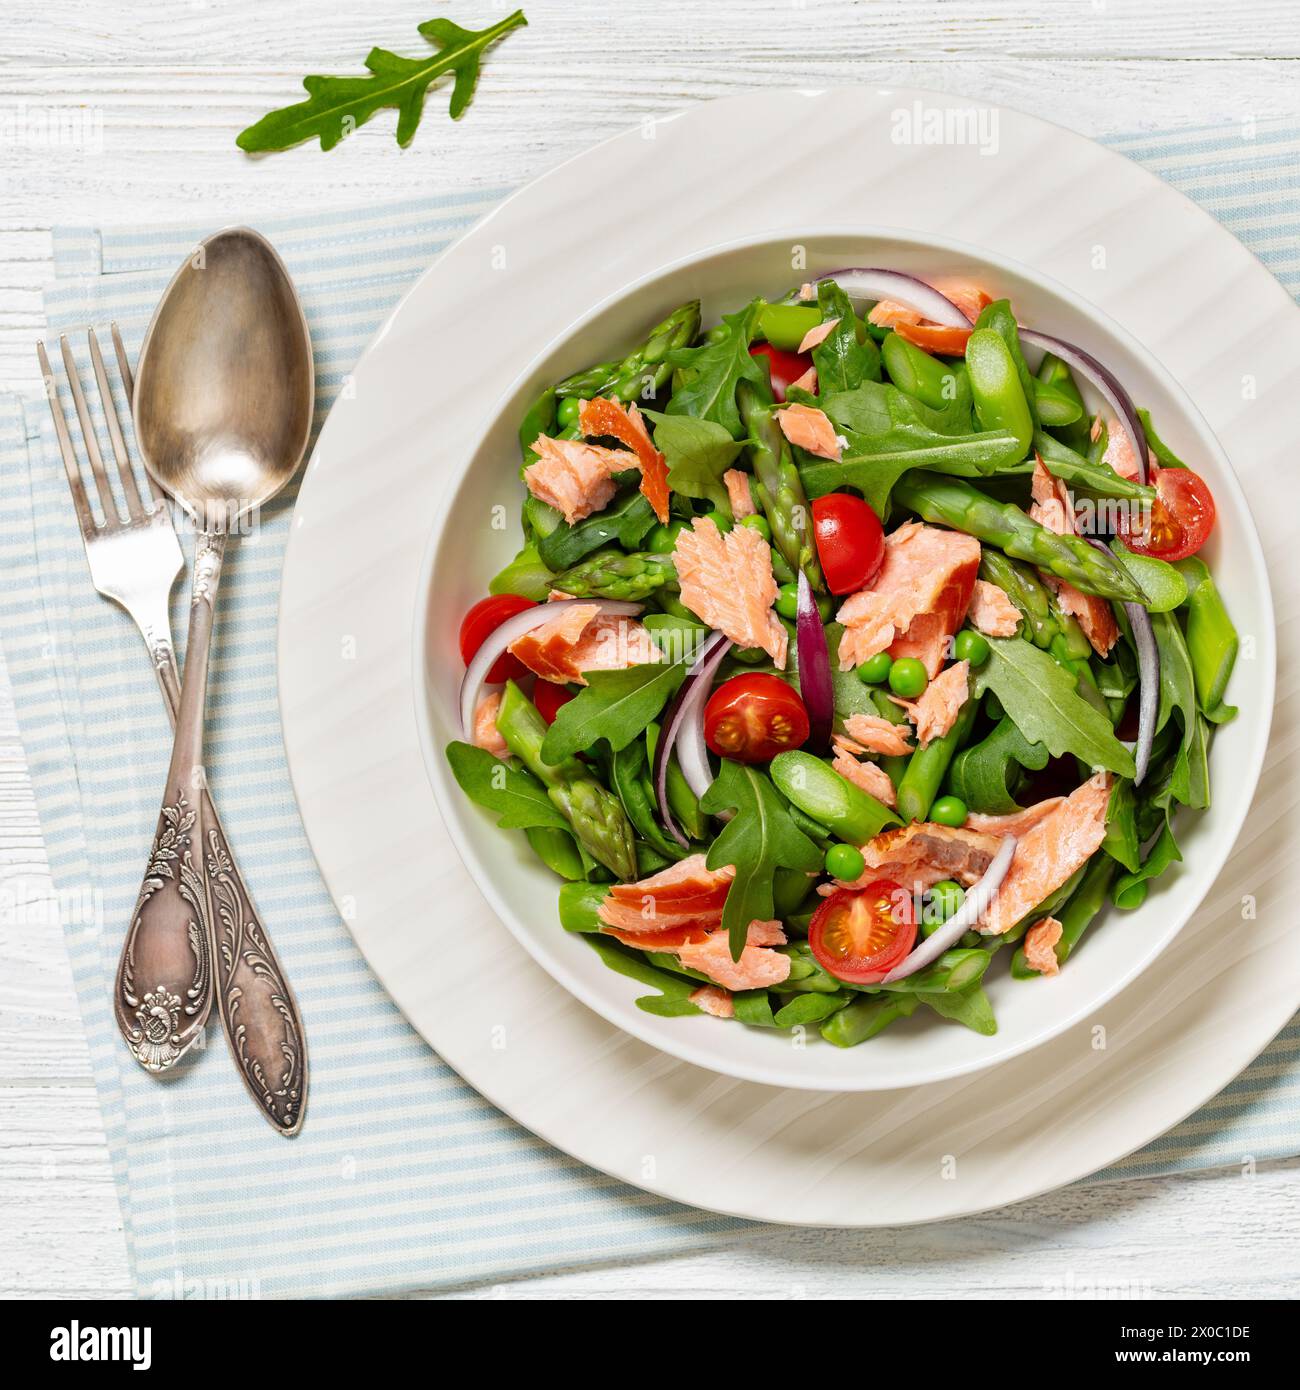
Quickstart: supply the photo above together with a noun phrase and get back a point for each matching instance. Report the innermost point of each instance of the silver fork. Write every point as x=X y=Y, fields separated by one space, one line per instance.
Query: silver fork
x=135 y=563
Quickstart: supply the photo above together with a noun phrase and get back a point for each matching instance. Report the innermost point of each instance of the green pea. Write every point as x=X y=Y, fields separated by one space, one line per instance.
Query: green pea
x=875 y=670
x=662 y=539
x=971 y=646
x=567 y=412
x=944 y=899
x=948 y=810
x=759 y=524
x=844 y=862
x=720 y=519
x=907 y=678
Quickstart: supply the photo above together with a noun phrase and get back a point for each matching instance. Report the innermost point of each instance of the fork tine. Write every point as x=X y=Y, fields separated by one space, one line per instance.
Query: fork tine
x=128 y=381
x=130 y=491
x=80 y=502
x=106 y=498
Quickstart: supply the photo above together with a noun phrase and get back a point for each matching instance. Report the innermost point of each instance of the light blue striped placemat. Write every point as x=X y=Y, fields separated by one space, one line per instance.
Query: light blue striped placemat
x=403 y=1177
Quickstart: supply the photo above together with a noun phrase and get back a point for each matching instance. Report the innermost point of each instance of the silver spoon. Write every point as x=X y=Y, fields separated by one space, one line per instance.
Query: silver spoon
x=224 y=392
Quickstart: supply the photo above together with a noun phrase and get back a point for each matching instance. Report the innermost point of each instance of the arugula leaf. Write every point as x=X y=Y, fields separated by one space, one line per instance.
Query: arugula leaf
x=672 y=1001
x=697 y=452
x=848 y=693
x=615 y=705
x=627 y=520
x=519 y=799
x=1190 y=783
x=759 y=839
x=971 y=1008
x=1121 y=841
x=1043 y=700
x=709 y=374
x=336 y=106
x=1130 y=890
x=842 y=362
x=981 y=775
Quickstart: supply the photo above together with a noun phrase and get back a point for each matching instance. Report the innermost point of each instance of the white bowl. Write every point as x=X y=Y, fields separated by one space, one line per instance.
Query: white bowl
x=478 y=532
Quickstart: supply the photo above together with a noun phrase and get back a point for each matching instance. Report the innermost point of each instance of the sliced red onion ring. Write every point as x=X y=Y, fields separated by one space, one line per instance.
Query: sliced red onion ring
x=1105 y=381
x=1148 y=654
x=861 y=283
x=684 y=725
x=814 y=668
x=976 y=904
x=511 y=630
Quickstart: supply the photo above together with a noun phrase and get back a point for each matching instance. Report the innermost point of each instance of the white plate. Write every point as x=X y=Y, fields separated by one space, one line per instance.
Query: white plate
x=465 y=551
x=424 y=392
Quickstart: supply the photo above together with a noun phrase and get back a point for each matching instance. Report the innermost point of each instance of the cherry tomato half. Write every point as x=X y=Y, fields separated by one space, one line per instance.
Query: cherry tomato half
x=1180 y=520
x=548 y=697
x=785 y=367
x=850 y=541
x=860 y=935
x=751 y=719
x=483 y=619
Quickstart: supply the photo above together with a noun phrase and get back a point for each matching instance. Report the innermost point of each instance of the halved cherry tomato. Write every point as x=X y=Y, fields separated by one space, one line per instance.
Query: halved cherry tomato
x=751 y=719
x=935 y=337
x=1180 y=520
x=850 y=541
x=860 y=935
x=484 y=618
x=785 y=367
x=548 y=697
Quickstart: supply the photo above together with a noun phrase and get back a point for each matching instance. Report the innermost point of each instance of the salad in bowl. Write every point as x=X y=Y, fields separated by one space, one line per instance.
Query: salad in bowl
x=855 y=641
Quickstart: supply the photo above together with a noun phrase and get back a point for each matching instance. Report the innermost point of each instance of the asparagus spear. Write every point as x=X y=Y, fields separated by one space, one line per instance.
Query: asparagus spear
x=778 y=485
x=865 y=1017
x=596 y=815
x=614 y=574
x=927 y=766
x=1025 y=590
x=642 y=372
x=951 y=502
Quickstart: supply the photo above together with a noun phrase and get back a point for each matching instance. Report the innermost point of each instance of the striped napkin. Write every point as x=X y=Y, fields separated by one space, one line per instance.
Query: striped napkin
x=403 y=1177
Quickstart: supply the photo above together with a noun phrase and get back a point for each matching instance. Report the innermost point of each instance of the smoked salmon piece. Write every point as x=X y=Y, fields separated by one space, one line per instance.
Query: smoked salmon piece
x=938 y=707
x=919 y=855
x=573 y=477
x=1050 y=851
x=581 y=639
x=871 y=777
x=726 y=580
x=602 y=417
x=875 y=734
x=684 y=894
x=738 y=493
x=758 y=966
x=1018 y=822
x=485 y=727
x=1040 y=946
x=1051 y=508
x=970 y=299
x=817 y=335
x=710 y=999
x=991 y=611
x=916 y=601
x=810 y=429
x=806 y=382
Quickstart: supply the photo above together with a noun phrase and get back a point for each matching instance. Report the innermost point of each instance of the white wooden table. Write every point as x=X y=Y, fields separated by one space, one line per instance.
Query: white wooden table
x=172 y=84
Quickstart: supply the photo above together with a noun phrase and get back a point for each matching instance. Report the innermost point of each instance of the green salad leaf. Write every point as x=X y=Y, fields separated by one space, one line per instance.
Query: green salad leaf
x=1130 y=890
x=517 y=797
x=984 y=775
x=1190 y=782
x=698 y=453
x=707 y=376
x=673 y=999
x=842 y=361
x=1121 y=842
x=627 y=520
x=615 y=705
x=1043 y=700
x=759 y=839
x=336 y=106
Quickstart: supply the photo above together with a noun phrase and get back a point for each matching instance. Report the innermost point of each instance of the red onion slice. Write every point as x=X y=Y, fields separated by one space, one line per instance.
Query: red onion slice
x=814 y=668
x=976 y=904
x=684 y=724
x=1105 y=381
x=864 y=283
x=511 y=630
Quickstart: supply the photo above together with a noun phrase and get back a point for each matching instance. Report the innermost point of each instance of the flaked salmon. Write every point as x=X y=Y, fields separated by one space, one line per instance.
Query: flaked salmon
x=685 y=894
x=916 y=601
x=876 y=734
x=759 y=967
x=727 y=581
x=1049 y=852
x=871 y=777
x=581 y=639
x=919 y=855
x=1017 y=822
x=806 y=382
x=601 y=417
x=572 y=476
x=710 y=999
x=810 y=429
x=817 y=335
x=991 y=611
x=1040 y=946
x=738 y=493
x=970 y=299
x=936 y=711
x=486 y=734
x=1052 y=508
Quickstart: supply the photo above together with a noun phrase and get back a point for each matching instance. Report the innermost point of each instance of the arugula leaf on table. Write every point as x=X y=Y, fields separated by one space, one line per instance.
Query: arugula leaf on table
x=517 y=797
x=697 y=452
x=627 y=520
x=707 y=376
x=982 y=775
x=1042 y=699
x=759 y=839
x=614 y=705
x=842 y=362
x=335 y=106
